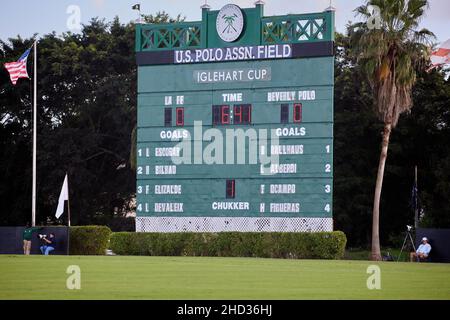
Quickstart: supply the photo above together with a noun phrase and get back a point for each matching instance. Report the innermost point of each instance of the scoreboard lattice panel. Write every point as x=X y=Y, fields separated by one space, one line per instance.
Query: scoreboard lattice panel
x=240 y=224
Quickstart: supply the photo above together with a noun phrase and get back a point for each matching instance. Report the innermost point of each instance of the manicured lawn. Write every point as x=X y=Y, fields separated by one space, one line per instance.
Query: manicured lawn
x=118 y=277
x=364 y=254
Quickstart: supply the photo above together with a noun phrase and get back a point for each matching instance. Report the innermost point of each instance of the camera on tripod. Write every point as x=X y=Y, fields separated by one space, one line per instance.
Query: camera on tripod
x=408 y=236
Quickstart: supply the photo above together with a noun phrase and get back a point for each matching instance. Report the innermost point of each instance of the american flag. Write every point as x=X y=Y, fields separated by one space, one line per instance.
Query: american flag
x=18 y=69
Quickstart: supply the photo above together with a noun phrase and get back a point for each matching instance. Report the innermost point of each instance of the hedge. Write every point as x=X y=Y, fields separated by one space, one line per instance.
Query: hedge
x=89 y=240
x=321 y=245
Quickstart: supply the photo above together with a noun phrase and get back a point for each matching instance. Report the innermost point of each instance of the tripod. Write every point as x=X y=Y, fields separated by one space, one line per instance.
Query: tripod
x=408 y=235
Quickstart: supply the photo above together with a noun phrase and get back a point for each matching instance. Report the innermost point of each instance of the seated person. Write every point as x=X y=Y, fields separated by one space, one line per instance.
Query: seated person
x=27 y=236
x=48 y=244
x=422 y=252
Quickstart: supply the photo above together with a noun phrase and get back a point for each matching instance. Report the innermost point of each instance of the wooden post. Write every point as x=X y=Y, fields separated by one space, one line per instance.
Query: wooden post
x=68 y=200
x=68 y=215
x=33 y=196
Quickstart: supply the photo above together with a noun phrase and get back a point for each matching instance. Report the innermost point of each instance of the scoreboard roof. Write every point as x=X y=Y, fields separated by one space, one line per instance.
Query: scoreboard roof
x=289 y=36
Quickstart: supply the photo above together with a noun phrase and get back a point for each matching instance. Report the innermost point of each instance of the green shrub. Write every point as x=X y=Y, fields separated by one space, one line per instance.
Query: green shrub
x=89 y=240
x=320 y=245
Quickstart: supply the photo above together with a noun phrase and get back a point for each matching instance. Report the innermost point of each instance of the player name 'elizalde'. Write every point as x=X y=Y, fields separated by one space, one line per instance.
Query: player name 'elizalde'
x=272 y=51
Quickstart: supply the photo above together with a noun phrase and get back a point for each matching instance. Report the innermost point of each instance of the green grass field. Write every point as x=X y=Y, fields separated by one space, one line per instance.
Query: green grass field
x=118 y=277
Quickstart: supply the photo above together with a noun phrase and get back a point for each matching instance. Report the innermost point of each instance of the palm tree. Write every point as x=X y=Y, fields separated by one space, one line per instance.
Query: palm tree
x=389 y=49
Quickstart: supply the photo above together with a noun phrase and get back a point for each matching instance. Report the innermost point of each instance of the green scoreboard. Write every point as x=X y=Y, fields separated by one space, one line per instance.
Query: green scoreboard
x=235 y=123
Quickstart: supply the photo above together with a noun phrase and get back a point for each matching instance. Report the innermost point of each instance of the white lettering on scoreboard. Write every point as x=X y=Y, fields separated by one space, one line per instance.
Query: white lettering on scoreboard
x=167 y=189
x=142 y=154
x=290 y=132
x=232 y=97
x=285 y=207
x=143 y=207
x=167 y=152
x=282 y=188
x=272 y=51
x=168 y=100
x=280 y=168
x=160 y=189
x=285 y=96
x=231 y=206
x=286 y=149
x=165 y=170
x=143 y=170
x=232 y=75
x=143 y=189
x=175 y=134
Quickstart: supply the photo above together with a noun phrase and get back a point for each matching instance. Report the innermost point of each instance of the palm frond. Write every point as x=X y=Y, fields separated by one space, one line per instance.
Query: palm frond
x=391 y=55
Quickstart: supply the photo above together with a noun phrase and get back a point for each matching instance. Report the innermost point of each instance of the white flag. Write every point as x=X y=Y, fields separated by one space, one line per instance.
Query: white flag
x=64 y=195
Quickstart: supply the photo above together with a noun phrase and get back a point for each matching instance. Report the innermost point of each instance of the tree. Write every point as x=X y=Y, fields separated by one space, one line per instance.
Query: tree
x=158 y=18
x=389 y=54
x=87 y=111
x=355 y=146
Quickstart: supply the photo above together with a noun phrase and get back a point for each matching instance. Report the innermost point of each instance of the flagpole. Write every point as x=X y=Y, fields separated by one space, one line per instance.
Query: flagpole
x=416 y=207
x=68 y=200
x=33 y=210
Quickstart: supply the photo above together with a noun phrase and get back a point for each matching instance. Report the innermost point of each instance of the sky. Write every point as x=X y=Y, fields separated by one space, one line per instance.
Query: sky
x=25 y=18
